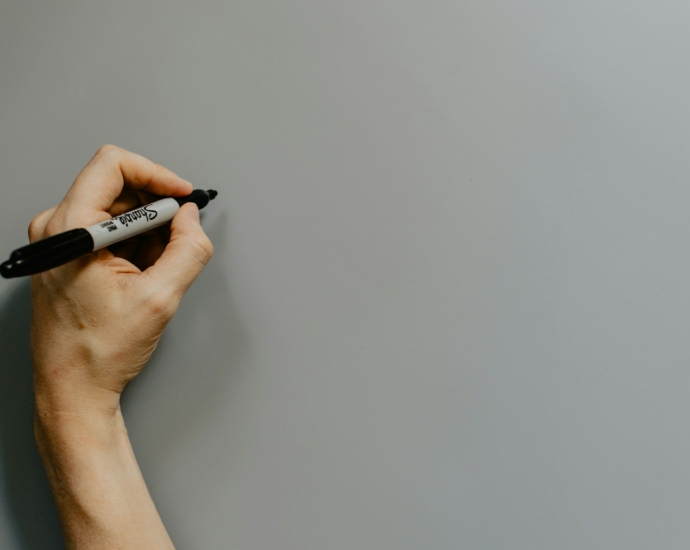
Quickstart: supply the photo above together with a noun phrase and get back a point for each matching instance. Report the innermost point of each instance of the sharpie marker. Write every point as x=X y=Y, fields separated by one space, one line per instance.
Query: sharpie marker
x=63 y=248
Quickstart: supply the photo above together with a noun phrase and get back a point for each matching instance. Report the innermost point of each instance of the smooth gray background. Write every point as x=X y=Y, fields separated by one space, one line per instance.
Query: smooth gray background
x=449 y=304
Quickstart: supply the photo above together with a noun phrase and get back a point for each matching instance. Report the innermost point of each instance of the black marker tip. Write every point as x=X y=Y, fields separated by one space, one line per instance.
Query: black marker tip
x=212 y=193
x=6 y=269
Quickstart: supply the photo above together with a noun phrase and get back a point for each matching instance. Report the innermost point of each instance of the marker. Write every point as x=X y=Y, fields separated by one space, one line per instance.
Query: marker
x=64 y=247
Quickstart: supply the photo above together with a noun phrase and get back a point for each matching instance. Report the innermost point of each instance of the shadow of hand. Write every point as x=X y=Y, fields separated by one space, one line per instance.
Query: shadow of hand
x=27 y=493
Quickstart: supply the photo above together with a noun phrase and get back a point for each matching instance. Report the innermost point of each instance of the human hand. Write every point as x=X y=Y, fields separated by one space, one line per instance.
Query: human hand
x=97 y=320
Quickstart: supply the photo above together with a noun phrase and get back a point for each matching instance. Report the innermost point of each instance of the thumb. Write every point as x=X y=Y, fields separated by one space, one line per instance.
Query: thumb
x=185 y=256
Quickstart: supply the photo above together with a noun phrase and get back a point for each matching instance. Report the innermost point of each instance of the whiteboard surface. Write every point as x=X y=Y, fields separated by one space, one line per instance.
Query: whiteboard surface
x=448 y=306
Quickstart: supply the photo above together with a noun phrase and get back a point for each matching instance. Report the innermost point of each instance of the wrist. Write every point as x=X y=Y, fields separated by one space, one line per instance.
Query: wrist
x=95 y=479
x=62 y=435
x=69 y=391
x=87 y=457
x=75 y=424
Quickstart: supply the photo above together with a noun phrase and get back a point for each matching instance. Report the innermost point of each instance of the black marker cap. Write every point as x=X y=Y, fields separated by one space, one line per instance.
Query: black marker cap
x=6 y=269
x=199 y=197
x=47 y=253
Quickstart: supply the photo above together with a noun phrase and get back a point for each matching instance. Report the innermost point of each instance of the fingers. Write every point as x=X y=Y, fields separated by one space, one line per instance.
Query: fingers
x=152 y=247
x=102 y=180
x=130 y=199
x=183 y=259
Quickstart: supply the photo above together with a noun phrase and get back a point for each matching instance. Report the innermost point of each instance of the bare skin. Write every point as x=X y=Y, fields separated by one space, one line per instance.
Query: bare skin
x=96 y=322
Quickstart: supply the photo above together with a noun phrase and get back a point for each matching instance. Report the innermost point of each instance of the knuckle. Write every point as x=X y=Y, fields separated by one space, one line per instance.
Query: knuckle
x=202 y=247
x=35 y=228
x=107 y=150
x=162 y=306
x=37 y=225
x=145 y=177
x=53 y=227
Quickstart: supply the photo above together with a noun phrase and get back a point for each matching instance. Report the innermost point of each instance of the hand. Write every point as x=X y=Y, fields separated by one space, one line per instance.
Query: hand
x=97 y=320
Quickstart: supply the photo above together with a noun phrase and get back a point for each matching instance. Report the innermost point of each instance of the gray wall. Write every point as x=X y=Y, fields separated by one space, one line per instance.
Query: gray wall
x=449 y=304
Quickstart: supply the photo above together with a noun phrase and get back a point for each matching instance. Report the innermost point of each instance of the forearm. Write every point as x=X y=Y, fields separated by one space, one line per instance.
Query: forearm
x=101 y=496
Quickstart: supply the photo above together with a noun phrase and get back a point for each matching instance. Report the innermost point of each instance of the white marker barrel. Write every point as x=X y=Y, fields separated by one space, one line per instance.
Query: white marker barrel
x=134 y=222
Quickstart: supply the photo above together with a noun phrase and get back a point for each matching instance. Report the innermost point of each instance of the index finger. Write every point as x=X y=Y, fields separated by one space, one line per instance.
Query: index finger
x=108 y=172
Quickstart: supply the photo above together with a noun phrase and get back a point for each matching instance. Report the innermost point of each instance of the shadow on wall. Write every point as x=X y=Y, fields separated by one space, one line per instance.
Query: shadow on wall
x=193 y=371
x=192 y=383
x=27 y=493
